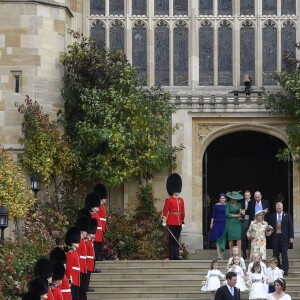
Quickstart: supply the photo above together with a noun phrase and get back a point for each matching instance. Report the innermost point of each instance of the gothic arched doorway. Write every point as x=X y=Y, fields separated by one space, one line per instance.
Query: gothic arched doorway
x=245 y=160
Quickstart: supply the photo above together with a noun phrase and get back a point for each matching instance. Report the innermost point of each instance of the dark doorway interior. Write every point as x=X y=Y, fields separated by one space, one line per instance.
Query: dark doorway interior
x=246 y=160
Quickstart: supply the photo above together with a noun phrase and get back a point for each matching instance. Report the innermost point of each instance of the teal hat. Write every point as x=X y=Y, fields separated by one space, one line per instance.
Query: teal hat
x=234 y=195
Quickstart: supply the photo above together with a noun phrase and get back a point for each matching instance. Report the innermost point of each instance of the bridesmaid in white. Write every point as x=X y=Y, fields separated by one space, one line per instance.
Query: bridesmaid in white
x=279 y=293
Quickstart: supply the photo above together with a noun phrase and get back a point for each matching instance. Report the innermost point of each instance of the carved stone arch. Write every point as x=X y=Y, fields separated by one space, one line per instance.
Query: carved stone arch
x=141 y=23
x=270 y=23
x=162 y=23
x=212 y=134
x=97 y=22
x=248 y=23
x=207 y=23
x=288 y=23
x=117 y=23
x=225 y=23
x=181 y=23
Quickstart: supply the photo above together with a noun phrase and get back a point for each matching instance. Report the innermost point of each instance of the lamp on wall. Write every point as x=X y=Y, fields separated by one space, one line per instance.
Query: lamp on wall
x=35 y=183
x=3 y=222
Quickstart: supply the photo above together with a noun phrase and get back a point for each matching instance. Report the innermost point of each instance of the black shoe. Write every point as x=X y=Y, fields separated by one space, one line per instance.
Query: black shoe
x=97 y=271
x=90 y=290
x=286 y=274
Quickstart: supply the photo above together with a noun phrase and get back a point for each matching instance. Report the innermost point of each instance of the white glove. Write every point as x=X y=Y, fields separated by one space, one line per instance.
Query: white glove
x=183 y=225
x=164 y=224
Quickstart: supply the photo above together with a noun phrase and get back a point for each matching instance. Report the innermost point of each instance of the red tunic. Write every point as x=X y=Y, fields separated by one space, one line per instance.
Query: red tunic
x=174 y=211
x=82 y=256
x=65 y=289
x=57 y=295
x=102 y=215
x=99 y=233
x=73 y=267
x=90 y=258
x=50 y=295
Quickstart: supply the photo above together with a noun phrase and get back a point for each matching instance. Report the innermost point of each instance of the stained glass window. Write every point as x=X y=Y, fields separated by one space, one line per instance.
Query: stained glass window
x=269 y=7
x=288 y=39
x=161 y=7
x=224 y=7
x=162 y=76
x=97 y=7
x=116 y=36
x=139 y=48
x=181 y=54
x=225 y=54
x=247 y=52
x=98 y=34
x=205 y=7
x=139 y=7
x=116 y=7
x=269 y=53
x=206 y=54
x=180 y=7
x=288 y=7
x=247 y=7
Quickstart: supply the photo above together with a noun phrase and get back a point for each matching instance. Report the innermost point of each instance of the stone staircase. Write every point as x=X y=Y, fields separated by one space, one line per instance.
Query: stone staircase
x=163 y=279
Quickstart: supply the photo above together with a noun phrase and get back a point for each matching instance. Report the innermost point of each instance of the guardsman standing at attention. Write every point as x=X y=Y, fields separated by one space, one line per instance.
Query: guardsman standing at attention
x=174 y=214
x=100 y=189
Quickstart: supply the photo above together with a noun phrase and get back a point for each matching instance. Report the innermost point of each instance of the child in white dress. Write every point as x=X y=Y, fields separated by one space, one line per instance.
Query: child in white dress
x=240 y=284
x=273 y=273
x=213 y=277
x=257 y=257
x=236 y=252
x=257 y=280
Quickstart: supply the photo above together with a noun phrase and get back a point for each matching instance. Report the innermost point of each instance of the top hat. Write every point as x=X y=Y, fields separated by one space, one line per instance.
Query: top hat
x=72 y=236
x=100 y=189
x=43 y=267
x=58 y=254
x=174 y=184
x=92 y=200
x=234 y=195
x=31 y=295
x=39 y=284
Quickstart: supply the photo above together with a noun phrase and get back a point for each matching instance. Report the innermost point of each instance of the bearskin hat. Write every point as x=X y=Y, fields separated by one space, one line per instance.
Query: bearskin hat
x=92 y=200
x=93 y=226
x=58 y=254
x=100 y=189
x=39 y=284
x=83 y=223
x=83 y=212
x=174 y=184
x=31 y=295
x=59 y=270
x=43 y=267
x=72 y=236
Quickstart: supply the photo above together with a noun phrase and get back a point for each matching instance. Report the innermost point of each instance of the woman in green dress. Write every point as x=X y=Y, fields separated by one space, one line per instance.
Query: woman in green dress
x=234 y=221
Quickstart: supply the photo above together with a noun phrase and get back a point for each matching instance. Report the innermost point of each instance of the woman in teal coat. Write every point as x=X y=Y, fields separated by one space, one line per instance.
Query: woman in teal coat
x=234 y=221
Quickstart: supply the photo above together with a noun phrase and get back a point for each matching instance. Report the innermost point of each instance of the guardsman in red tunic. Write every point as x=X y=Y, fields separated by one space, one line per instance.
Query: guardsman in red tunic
x=58 y=254
x=39 y=285
x=174 y=214
x=44 y=267
x=58 y=275
x=82 y=223
x=72 y=240
x=92 y=203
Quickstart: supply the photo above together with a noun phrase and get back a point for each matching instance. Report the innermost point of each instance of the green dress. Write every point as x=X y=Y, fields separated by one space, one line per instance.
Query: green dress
x=233 y=227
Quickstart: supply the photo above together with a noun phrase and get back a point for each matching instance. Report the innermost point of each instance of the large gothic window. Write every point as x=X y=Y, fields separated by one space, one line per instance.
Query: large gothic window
x=97 y=7
x=247 y=7
x=288 y=7
x=206 y=54
x=247 y=52
x=269 y=52
x=98 y=34
x=116 y=36
x=161 y=7
x=180 y=49
x=269 y=7
x=162 y=76
x=225 y=54
x=180 y=7
x=205 y=7
x=139 y=47
x=116 y=7
x=139 y=7
x=224 y=7
x=288 y=38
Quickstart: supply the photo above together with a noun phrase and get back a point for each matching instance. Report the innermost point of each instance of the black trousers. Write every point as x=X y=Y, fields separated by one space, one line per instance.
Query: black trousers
x=98 y=248
x=82 y=289
x=281 y=245
x=172 y=243
x=88 y=278
x=245 y=241
x=75 y=292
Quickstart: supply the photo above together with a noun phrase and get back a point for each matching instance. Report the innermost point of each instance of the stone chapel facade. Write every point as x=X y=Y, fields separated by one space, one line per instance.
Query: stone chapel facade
x=198 y=50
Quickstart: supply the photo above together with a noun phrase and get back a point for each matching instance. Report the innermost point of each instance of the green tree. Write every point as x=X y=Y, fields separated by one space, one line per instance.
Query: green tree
x=287 y=102
x=119 y=127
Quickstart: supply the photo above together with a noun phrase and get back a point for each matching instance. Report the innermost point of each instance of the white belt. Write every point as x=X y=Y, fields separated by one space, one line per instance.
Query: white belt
x=99 y=227
x=75 y=268
x=102 y=219
x=83 y=257
x=66 y=291
x=91 y=257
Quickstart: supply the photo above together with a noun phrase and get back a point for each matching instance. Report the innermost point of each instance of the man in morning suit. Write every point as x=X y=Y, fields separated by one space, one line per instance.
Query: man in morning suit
x=228 y=291
x=282 y=235
x=256 y=205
